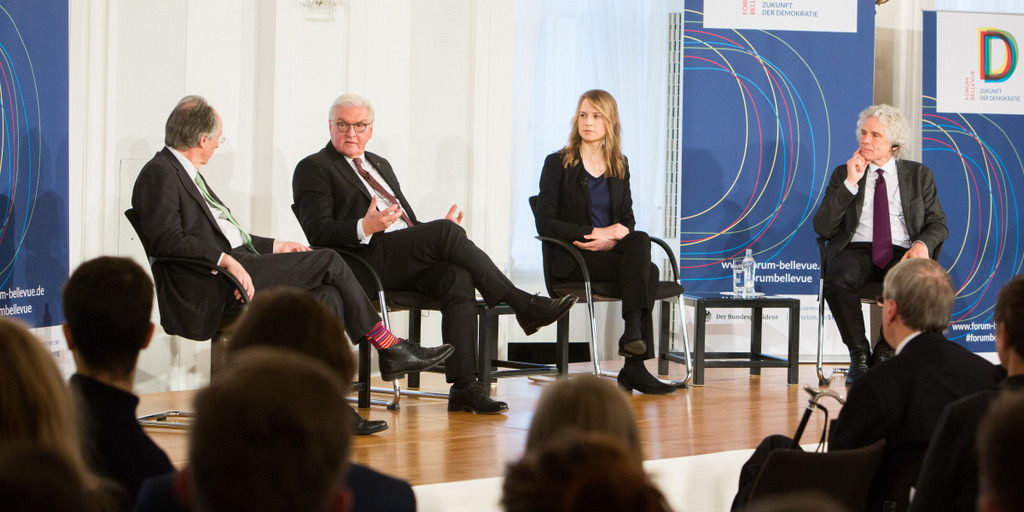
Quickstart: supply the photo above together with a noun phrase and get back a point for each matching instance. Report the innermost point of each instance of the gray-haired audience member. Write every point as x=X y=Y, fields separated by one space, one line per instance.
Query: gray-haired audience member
x=271 y=435
x=901 y=399
x=1001 y=454
x=949 y=475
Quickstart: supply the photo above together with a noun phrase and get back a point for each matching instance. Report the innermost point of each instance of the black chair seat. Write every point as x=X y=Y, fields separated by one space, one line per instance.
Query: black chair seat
x=606 y=291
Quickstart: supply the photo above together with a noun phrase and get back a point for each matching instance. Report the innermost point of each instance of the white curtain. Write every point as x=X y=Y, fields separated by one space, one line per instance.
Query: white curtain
x=563 y=48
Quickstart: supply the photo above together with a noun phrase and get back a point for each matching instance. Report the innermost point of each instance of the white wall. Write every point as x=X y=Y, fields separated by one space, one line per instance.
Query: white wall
x=437 y=70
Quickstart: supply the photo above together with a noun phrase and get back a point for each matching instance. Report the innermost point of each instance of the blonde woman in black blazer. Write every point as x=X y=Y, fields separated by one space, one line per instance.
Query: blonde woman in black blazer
x=584 y=198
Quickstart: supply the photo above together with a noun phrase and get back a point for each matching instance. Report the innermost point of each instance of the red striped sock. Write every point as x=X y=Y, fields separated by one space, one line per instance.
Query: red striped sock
x=380 y=337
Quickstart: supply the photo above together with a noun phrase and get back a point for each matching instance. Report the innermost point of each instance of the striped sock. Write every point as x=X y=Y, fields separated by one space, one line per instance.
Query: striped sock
x=380 y=337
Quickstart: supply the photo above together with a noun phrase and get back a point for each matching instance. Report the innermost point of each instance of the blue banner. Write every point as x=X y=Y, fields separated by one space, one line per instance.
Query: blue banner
x=33 y=159
x=980 y=176
x=767 y=116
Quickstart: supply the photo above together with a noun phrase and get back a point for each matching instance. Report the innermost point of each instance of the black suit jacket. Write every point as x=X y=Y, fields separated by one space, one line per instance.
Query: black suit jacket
x=176 y=221
x=901 y=401
x=330 y=198
x=949 y=475
x=563 y=206
x=839 y=213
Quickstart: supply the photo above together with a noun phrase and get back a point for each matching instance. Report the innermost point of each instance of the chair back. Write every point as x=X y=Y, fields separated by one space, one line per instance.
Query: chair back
x=846 y=475
x=133 y=219
x=545 y=248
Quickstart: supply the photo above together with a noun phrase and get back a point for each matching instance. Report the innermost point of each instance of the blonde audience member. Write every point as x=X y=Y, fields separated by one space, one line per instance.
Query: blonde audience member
x=36 y=409
x=588 y=403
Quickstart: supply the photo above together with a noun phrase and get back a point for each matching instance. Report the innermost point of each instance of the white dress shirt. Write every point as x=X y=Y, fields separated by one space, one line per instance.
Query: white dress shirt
x=898 y=225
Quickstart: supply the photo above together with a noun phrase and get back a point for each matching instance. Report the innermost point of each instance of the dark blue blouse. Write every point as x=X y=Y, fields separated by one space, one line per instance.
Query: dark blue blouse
x=600 y=201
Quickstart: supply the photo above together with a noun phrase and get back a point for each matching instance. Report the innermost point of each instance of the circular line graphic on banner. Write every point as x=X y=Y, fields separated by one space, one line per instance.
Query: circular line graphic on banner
x=982 y=172
x=20 y=151
x=783 y=144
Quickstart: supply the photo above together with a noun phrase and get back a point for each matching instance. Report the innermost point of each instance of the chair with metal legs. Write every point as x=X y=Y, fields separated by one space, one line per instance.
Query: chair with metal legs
x=668 y=292
x=163 y=419
x=412 y=301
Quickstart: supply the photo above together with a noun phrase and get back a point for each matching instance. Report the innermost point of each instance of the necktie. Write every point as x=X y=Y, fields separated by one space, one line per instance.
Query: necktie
x=379 y=188
x=881 y=234
x=246 y=239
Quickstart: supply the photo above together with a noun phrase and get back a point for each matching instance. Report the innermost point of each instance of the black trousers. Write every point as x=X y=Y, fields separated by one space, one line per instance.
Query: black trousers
x=438 y=260
x=848 y=271
x=324 y=274
x=629 y=264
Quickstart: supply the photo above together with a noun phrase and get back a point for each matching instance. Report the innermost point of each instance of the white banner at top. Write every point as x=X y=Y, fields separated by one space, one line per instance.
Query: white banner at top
x=976 y=63
x=802 y=15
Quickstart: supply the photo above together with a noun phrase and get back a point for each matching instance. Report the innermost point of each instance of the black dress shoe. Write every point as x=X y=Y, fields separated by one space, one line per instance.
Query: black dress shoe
x=631 y=347
x=365 y=427
x=474 y=398
x=543 y=311
x=883 y=352
x=401 y=358
x=636 y=376
x=858 y=367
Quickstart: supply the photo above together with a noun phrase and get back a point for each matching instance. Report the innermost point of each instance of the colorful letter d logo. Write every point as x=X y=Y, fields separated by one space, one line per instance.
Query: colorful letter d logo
x=995 y=39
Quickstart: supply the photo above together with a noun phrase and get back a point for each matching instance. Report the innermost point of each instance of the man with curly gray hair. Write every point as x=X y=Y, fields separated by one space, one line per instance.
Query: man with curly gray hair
x=871 y=224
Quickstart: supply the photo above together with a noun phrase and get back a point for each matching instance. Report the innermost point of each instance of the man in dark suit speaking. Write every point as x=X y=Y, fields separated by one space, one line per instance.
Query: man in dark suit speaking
x=182 y=217
x=872 y=223
x=347 y=197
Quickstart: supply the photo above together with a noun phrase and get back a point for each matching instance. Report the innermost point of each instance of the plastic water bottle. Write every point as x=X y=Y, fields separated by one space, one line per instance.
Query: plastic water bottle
x=749 y=269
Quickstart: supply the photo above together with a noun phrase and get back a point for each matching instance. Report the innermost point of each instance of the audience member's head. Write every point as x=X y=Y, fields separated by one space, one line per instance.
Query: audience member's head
x=270 y=434
x=294 y=319
x=587 y=403
x=923 y=293
x=1001 y=454
x=579 y=471
x=107 y=306
x=34 y=478
x=1009 y=317
x=36 y=409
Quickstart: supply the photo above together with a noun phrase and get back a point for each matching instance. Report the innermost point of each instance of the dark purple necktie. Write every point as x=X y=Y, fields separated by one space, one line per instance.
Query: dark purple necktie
x=380 y=189
x=881 y=236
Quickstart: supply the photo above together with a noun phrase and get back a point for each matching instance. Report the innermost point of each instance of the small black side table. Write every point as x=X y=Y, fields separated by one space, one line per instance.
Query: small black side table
x=755 y=359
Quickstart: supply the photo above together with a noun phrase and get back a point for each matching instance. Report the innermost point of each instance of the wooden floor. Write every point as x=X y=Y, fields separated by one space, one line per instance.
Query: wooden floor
x=426 y=444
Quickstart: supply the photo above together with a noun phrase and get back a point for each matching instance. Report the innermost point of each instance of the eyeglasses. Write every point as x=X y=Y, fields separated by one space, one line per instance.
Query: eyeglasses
x=221 y=139
x=358 y=127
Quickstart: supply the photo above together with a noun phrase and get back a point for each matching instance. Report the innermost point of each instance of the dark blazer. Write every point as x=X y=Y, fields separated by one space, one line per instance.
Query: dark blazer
x=372 y=491
x=901 y=401
x=330 y=198
x=115 y=442
x=177 y=222
x=949 y=475
x=563 y=206
x=839 y=213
